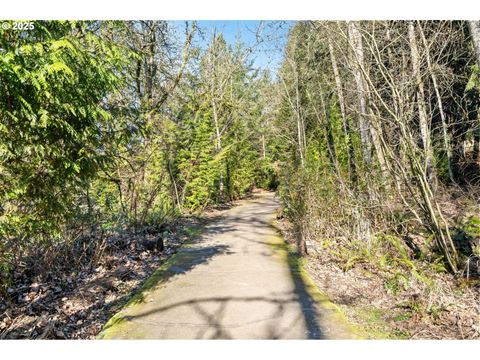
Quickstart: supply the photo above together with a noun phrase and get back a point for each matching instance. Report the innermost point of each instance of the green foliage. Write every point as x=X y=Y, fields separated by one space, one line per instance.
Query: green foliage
x=217 y=136
x=375 y=324
x=196 y=162
x=267 y=175
x=472 y=227
x=474 y=80
x=52 y=85
x=5 y=268
x=466 y=237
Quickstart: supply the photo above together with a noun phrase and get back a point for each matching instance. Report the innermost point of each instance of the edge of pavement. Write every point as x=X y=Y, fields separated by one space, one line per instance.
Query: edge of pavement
x=334 y=315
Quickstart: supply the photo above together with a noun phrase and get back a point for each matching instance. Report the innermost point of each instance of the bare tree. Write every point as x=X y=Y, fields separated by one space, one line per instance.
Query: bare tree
x=423 y=120
x=475 y=34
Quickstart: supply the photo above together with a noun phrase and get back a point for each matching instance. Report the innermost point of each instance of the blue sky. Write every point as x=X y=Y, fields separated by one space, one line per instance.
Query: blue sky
x=272 y=36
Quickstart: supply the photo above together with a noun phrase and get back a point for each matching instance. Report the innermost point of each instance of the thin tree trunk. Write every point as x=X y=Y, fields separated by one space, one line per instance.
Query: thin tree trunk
x=150 y=68
x=341 y=101
x=422 y=111
x=302 y=137
x=446 y=140
x=376 y=133
x=355 y=39
x=329 y=137
x=218 y=145
x=475 y=33
x=299 y=124
x=264 y=151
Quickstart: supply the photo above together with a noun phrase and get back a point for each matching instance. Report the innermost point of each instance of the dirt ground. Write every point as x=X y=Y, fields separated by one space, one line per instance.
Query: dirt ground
x=76 y=305
x=450 y=309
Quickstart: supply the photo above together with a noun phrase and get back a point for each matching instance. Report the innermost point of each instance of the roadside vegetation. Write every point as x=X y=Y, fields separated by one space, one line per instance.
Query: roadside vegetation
x=116 y=136
x=383 y=137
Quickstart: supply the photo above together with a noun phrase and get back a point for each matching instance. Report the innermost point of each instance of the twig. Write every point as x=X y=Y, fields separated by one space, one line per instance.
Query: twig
x=48 y=329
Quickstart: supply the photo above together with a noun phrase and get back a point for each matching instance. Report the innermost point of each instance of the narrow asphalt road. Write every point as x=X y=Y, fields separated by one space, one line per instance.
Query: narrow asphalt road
x=234 y=282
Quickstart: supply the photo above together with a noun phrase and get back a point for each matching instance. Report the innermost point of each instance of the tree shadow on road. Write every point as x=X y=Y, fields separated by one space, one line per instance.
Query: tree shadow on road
x=213 y=327
x=187 y=258
x=212 y=310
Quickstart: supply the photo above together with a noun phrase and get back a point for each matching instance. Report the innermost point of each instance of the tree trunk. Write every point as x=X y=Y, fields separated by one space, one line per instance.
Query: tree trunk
x=355 y=39
x=299 y=121
x=329 y=137
x=264 y=150
x=475 y=33
x=370 y=129
x=422 y=111
x=218 y=145
x=341 y=102
x=446 y=139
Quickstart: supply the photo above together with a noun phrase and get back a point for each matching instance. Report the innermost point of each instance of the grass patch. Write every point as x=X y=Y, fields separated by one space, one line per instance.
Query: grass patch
x=375 y=325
